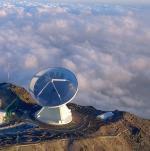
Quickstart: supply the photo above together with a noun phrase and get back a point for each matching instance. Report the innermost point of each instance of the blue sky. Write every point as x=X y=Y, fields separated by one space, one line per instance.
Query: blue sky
x=107 y=46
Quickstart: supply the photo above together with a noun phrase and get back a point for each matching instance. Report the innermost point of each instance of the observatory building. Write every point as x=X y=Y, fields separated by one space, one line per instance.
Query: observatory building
x=2 y=116
x=53 y=88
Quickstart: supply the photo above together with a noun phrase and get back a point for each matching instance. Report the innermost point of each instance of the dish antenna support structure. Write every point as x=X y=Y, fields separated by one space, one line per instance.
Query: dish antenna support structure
x=53 y=88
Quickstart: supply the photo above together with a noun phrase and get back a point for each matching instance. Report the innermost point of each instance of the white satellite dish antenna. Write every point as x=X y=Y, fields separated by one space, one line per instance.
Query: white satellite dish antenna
x=53 y=88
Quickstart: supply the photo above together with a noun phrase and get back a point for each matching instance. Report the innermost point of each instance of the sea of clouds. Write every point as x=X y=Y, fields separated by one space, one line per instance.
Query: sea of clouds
x=106 y=46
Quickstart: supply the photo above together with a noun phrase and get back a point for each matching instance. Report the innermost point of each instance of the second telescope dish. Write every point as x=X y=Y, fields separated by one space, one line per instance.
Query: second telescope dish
x=54 y=87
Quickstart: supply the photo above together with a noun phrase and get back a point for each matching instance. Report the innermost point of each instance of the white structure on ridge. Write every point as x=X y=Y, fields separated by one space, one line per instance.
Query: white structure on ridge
x=106 y=116
x=53 y=88
x=2 y=116
x=57 y=115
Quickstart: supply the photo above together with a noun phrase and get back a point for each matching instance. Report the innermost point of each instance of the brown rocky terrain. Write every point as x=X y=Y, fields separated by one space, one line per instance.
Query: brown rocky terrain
x=123 y=132
x=129 y=134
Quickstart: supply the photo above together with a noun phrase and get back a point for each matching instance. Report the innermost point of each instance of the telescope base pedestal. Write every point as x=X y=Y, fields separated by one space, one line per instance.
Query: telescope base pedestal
x=55 y=116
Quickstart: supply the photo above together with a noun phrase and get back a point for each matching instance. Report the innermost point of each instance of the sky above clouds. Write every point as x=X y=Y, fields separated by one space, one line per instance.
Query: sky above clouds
x=107 y=46
x=108 y=1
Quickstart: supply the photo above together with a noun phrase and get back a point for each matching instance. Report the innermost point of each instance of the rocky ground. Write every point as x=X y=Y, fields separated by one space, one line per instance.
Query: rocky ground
x=123 y=132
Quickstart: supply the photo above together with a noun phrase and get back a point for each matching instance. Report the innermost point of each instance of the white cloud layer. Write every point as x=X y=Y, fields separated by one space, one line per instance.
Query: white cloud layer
x=107 y=47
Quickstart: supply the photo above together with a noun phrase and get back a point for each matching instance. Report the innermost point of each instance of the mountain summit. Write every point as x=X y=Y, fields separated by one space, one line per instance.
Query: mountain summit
x=90 y=129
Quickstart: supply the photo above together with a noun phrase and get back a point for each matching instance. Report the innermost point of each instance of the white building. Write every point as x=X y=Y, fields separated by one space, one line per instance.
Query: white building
x=2 y=116
x=106 y=116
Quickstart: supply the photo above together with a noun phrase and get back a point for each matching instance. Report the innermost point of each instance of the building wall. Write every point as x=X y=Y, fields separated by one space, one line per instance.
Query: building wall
x=2 y=115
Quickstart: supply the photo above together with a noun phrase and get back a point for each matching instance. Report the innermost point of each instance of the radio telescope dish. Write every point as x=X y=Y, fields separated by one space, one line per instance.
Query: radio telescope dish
x=53 y=88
